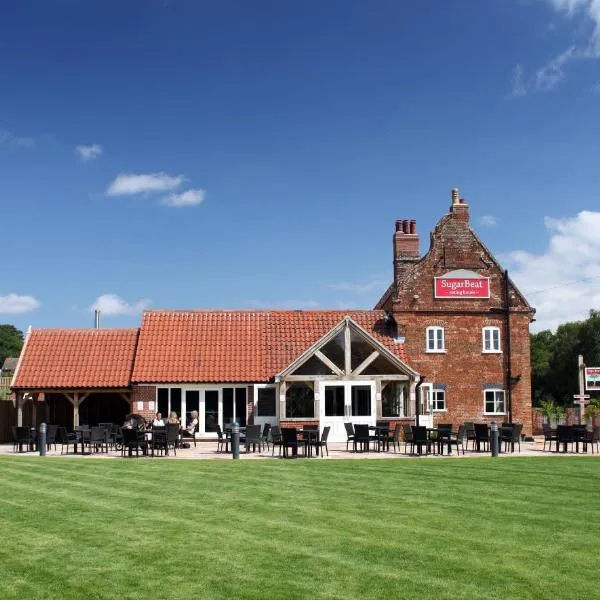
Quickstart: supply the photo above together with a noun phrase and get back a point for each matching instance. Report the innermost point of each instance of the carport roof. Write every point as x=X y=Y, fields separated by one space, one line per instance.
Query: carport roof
x=77 y=358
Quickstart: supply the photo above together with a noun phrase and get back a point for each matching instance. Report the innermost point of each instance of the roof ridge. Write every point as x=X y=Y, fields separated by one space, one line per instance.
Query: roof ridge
x=260 y=310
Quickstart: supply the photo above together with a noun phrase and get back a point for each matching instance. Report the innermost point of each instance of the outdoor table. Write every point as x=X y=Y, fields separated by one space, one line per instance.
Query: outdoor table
x=82 y=437
x=578 y=436
x=310 y=436
x=439 y=437
x=382 y=433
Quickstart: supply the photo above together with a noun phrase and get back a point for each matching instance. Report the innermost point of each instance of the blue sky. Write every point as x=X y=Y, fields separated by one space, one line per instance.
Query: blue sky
x=250 y=153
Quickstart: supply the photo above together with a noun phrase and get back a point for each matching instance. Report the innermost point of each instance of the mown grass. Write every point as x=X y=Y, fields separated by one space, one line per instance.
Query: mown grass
x=423 y=528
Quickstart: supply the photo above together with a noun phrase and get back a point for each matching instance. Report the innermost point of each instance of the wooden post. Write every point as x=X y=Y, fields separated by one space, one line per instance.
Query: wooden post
x=34 y=410
x=347 y=351
x=76 y=409
x=581 y=367
x=19 y=409
x=282 y=390
x=378 y=402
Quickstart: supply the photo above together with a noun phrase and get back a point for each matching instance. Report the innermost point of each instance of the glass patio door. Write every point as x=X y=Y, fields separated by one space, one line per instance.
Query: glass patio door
x=210 y=412
x=346 y=402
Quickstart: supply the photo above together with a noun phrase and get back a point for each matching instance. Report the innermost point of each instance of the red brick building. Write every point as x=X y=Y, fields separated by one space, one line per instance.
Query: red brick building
x=471 y=343
x=451 y=324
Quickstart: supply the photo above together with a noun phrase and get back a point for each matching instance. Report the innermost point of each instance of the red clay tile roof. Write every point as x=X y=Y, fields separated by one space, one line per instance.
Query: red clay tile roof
x=77 y=358
x=243 y=346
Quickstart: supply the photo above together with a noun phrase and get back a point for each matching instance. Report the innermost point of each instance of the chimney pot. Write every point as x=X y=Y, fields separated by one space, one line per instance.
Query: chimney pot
x=406 y=226
x=455 y=196
x=399 y=225
x=413 y=226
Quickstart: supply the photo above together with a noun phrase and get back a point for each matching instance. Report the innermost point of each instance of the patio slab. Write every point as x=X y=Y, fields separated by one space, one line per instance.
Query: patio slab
x=337 y=450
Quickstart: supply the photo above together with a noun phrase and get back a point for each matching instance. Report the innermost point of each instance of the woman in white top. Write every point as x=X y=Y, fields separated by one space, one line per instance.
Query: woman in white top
x=191 y=427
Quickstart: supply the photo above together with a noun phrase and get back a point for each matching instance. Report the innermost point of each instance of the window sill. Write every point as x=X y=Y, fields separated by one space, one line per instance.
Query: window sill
x=491 y=352
x=495 y=414
x=440 y=410
x=436 y=351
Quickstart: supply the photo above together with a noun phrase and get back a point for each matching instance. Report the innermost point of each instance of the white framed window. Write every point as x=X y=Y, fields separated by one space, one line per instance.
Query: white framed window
x=494 y=403
x=491 y=340
x=435 y=339
x=438 y=400
x=265 y=400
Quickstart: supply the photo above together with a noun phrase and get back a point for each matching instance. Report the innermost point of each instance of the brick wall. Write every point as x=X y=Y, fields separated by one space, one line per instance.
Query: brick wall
x=144 y=394
x=463 y=369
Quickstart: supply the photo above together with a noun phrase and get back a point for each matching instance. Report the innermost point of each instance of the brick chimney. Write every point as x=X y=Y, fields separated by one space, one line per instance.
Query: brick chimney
x=406 y=247
x=459 y=209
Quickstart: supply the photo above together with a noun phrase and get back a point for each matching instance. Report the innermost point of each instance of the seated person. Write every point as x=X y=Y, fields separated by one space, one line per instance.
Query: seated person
x=173 y=418
x=191 y=426
x=158 y=421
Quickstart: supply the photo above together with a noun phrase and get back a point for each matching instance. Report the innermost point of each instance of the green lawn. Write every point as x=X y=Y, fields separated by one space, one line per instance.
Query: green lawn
x=423 y=528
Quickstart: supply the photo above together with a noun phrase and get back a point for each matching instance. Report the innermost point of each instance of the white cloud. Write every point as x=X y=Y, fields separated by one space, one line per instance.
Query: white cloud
x=128 y=184
x=487 y=221
x=518 y=83
x=590 y=12
x=14 y=304
x=187 y=198
x=562 y=283
x=14 y=141
x=553 y=72
x=111 y=305
x=85 y=153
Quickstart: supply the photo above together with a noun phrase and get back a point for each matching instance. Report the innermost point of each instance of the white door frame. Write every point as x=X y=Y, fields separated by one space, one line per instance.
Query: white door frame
x=425 y=405
x=271 y=419
x=338 y=431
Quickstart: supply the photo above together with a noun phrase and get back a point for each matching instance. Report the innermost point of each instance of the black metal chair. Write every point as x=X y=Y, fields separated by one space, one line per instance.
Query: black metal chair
x=172 y=437
x=420 y=439
x=511 y=435
x=276 y=439
x=253 y=438
x=22 y=437
x=407 y=434
x=550 y=435
x=470 y=435
x=322 y=443
x=185 y=434
x=591 y=438
x=457 y=439
x=51 y=432
x=290 y=439
x=65 y=438
x=265 y=434
x=349 y=434
x=158 y=442
x=133 y=440
x=564 y=433
x=395 y=437
x=482 y=436
x=222 y=440
x=362 y=437
x=98 y=439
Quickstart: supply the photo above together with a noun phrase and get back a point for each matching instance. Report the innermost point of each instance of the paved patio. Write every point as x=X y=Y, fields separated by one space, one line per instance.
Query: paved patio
x=337 y=450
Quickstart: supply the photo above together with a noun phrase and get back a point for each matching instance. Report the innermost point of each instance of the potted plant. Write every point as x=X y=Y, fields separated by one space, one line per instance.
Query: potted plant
x=551 y=411
x=591 y=411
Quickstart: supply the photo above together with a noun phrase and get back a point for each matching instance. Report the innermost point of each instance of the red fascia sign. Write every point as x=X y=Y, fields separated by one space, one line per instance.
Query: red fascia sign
x=462 y=287
x=592 y=379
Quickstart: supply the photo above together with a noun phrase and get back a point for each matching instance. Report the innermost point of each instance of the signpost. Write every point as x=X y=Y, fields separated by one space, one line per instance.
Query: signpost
x=582 y=398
